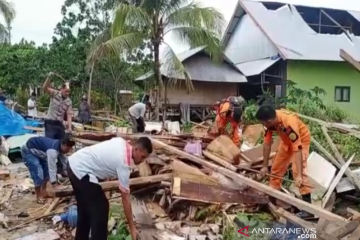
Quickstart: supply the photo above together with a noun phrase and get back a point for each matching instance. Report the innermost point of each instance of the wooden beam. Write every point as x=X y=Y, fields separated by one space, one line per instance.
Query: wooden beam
x=348 y=58
x=193 y=191
x=340 y=159
x=336 y=181
x=114 y=185
x=254 y=184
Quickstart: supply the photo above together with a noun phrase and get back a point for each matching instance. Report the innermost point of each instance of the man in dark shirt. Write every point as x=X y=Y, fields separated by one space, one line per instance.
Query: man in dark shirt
x=2 y=97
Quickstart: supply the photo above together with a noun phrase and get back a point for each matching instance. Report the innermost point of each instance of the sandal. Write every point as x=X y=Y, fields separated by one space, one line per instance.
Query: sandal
x=40 y=201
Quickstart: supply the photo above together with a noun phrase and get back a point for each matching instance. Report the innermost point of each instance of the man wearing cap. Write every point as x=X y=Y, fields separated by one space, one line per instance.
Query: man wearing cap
x=60 y=106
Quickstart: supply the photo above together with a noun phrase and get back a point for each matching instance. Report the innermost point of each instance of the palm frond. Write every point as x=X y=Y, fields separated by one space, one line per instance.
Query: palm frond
x=7 y=10
x=193 y=15
x=130 y=18
x=197 y=36
x=3 y=33
x=116 y=45
x=174 y=68
x=167 y=7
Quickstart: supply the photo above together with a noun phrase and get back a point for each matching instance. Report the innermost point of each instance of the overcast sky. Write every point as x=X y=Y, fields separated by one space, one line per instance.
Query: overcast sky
x=36 y=19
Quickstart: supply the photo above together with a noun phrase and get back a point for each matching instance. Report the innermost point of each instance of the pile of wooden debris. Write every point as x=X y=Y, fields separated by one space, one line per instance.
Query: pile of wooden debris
x=188 y=189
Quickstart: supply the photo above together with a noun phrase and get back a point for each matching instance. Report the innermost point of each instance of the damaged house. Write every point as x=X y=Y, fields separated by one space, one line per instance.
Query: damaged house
x=271 y=43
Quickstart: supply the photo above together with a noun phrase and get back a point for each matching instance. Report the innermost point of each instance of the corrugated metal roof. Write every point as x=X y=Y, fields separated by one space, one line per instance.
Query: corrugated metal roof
x=200 y=68
x=248 y=43
x=293 y=38
x=256 y=67
x=355 y=14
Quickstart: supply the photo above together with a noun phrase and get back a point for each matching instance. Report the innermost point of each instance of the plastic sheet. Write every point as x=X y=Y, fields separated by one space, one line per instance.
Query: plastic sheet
x=12 y=123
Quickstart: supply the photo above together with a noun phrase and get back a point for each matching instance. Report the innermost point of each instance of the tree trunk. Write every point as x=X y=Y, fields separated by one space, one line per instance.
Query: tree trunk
x=158 y=80
x=90 y=81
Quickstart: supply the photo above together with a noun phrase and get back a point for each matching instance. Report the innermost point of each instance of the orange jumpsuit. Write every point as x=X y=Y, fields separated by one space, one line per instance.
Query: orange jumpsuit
x=221 y=120
x=294 y=136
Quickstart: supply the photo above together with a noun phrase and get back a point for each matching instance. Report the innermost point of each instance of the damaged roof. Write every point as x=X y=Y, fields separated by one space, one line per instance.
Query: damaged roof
x=256 y=32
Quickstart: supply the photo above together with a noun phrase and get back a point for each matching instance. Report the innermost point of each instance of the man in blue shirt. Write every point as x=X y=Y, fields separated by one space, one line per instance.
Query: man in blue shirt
x=40 y=155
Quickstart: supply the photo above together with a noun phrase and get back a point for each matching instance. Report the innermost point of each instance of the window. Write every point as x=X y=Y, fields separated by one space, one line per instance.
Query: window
x=342 y=94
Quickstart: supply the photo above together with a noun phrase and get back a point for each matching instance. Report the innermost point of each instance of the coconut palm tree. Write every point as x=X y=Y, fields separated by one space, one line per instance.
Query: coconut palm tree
x=138 y=21
x=7 y=11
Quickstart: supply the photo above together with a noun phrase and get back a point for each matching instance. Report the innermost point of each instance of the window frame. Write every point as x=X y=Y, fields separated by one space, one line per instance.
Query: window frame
x=342 y=88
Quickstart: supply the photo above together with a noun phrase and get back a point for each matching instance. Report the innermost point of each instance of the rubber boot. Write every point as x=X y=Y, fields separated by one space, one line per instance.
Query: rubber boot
x=302 y=214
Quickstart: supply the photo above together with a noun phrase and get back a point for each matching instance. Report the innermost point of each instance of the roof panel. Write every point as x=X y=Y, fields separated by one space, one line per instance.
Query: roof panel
x=248 y=43
x=200 y=68
x=293 y=38
x=256 y=67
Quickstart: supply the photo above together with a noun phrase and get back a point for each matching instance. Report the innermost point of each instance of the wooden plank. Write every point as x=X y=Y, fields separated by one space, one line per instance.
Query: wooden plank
x=349 y=59
x=219 y=160
x=329 y=206
x=47 y=235
x=52 y=206
x=143 y=220
x=254 y=184
x=336 y=181
x=196 y=178
x=212 y=194
x=114 y=185
x=4 y=174
x=355 y=234
x=5 y=160
x=340 y=159
x=343 y=231
x=36 y=129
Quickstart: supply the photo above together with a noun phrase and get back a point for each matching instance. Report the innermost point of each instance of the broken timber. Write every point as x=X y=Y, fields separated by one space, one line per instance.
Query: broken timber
x=336 y=181
x=258 y=186
x=212 y=194
x=114 y=185
x=341 y=160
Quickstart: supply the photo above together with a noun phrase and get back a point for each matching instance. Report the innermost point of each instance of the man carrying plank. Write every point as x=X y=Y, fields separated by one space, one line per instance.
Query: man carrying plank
x=88 y=166
x=294 y=148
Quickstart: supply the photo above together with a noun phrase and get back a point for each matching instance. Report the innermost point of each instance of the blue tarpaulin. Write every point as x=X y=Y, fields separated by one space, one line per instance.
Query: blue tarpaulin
x=12 y=123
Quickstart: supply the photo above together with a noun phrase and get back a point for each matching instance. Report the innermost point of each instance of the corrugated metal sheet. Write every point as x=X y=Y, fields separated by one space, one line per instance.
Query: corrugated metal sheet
x=248 y=43
x=292 y=37
x=355 y=14
x=200 y=68
x=255 y=67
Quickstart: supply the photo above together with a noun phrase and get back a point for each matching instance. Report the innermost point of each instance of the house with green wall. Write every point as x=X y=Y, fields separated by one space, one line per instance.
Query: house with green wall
x=271 y=43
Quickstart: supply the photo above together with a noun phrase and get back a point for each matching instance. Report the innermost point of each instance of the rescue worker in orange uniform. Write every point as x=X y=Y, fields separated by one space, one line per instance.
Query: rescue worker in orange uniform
x=294 y=148
x=230 y=111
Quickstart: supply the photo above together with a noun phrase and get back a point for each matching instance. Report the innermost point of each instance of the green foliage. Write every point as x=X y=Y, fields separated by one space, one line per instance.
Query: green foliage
x=254 y=221
x=186 y=127
x=23 y=65
x=150 y=21
x=122 y=123
x=309 y=103
x=7 y=12
x=120 y=232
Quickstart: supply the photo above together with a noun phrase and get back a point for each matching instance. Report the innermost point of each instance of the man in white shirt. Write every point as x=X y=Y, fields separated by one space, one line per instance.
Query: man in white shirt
x=137 y=113
x=32 y=107
x=88 y=166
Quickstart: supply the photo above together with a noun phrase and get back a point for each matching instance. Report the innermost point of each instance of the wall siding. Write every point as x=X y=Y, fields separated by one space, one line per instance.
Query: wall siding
x=205 y=93
x=327 y=75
